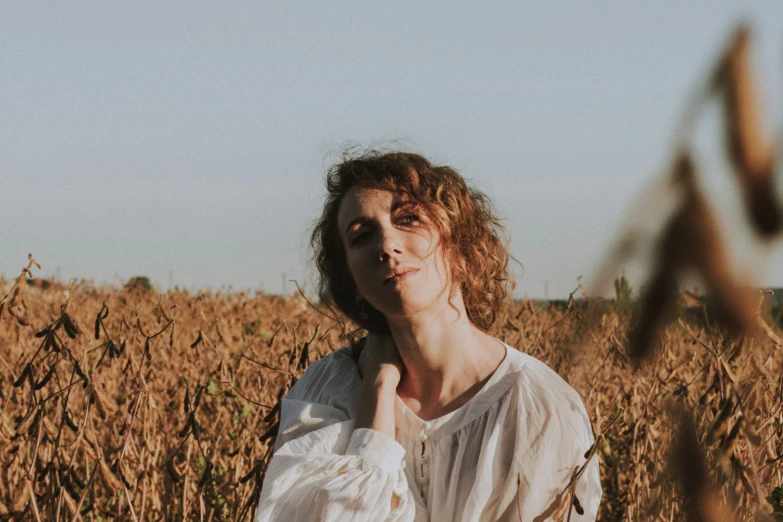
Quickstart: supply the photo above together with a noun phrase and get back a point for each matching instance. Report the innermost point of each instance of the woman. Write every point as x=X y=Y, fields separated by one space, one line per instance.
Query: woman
x=439 y=420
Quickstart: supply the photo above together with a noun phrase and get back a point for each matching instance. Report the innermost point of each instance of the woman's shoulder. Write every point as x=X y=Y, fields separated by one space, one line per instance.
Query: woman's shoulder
x=544 y=393
x=332 y=378
x=537 y=373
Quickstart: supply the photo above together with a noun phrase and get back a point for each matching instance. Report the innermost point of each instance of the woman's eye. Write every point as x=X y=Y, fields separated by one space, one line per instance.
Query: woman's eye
x=409 y=218
x=360 y=237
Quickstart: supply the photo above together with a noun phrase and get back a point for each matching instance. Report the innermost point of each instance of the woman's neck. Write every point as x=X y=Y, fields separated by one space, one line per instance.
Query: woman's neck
x=446 y=357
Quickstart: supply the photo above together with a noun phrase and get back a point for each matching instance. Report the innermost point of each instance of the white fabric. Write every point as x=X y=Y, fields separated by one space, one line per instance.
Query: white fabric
x=504 y=455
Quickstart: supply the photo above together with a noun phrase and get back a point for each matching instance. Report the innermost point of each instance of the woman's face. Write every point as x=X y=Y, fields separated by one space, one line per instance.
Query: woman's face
x=393 y=252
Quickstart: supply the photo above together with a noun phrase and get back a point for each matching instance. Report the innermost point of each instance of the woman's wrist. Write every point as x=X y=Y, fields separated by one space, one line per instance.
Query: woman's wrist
x=384 y=378
x=376 y=404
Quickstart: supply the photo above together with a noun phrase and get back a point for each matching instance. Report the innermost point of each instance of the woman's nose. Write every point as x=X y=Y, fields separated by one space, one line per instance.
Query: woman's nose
x=389 y=246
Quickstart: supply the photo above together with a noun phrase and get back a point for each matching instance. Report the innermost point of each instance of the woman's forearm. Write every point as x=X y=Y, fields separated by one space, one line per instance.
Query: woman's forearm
x=375 y=409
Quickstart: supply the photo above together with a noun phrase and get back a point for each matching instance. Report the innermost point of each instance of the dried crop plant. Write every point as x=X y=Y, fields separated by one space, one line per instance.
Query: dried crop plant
x=720 y=470
x=15 y=296
x=169 y=407
x=121 y=423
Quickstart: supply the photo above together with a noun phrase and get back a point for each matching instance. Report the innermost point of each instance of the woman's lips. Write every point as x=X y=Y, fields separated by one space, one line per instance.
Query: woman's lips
x=400 y=277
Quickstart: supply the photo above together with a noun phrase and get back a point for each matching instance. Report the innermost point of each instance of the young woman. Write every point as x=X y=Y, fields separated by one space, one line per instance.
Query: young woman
x=436 y=419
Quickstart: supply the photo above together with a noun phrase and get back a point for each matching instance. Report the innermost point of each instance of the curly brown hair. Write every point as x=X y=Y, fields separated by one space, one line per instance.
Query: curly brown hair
x=473 y=239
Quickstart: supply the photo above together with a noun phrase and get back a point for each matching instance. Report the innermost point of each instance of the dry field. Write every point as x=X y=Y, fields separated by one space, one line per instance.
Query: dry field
x=132 y=405
x=126 y=404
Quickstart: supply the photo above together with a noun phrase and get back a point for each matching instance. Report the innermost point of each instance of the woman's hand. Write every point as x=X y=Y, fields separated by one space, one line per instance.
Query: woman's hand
x=381 y=368
x=380 y=362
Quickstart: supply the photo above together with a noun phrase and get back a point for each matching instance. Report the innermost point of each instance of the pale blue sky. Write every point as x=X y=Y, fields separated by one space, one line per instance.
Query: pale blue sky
x=151 y=138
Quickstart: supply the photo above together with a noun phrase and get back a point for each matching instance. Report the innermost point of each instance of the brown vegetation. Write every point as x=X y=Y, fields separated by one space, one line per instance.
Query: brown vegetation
x=167 y=409
x=170 y=402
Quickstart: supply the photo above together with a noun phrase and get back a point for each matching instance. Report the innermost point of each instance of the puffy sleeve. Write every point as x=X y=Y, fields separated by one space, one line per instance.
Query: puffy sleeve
x=558 y=435
x=322 y=468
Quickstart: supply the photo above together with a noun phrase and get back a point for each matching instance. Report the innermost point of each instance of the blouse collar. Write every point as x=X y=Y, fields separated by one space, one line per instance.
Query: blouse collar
x=452 y=422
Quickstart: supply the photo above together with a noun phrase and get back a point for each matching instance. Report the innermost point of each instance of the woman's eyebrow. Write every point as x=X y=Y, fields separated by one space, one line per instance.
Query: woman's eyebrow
x=406 y=203
x=403 y=204
x=360 y=219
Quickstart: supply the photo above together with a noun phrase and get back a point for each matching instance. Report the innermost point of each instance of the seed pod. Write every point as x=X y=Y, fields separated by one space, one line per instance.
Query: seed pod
x=163 y=312
x=271 y=415
x=188 y=426
x=606 y=453
x=107 y=477
x=249 y=475
x=304 y=358
x=132 y=402
x=69 y=422
x=752 y=399
x=727 y=446
x=206 y=475
x=70 y=327
x=660 y=296
x=27 y=421
x=76 y=480
x=43 y=471
x=138 y=325
x=751 y=153
x=51 y=342
x=172 y=472
x=42 y=332
x=79 y=372
x=196 y=429
x=232 y=453
x=31 y=429
x=97 y=326
x=727 y=371
x=105 y=311
x=20 y=317
x=753 y=437
x=23 y=497
x=720 y=420
x=271 y=432
x=762 y=372
x=121 y=473
x=587 y=453
x=147 y=350
x=112 y=349
x=69 y=502
x=578 y=506
x=186 y=400
x=770 y=450
x=89 y=449
x=197 y=400
x=49 y=427
x=198 y=340
x=27 y=371
x=46 y=378
x=18 y=293
x=106 y=406
x=714 y=381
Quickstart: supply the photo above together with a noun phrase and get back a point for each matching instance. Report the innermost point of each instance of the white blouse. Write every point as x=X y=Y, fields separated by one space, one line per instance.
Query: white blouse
x=504 y=455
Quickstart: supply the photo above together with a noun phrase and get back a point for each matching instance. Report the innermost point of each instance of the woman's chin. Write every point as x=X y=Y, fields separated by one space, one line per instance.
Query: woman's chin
x=406 y=308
